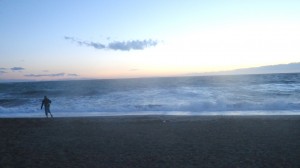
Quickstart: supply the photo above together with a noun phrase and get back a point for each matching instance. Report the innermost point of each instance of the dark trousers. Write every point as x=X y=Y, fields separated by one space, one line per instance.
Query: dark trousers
x=47 y=110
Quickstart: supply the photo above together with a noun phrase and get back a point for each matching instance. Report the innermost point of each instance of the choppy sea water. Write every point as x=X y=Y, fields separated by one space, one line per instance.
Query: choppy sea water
x=272 y=94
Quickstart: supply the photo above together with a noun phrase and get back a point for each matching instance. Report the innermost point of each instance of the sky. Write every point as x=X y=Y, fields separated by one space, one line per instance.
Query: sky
x=99 y=39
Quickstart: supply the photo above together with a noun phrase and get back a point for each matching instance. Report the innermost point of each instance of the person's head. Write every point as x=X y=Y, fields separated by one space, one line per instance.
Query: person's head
x=45 y=97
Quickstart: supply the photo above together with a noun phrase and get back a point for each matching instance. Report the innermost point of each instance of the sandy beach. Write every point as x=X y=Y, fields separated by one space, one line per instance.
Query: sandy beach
x=151 y=141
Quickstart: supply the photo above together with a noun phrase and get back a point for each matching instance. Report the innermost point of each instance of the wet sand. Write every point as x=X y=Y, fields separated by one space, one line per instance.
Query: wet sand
x=151 y=141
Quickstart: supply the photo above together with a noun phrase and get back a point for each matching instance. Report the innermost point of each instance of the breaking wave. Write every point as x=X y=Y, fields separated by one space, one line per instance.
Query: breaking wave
x=246 y=94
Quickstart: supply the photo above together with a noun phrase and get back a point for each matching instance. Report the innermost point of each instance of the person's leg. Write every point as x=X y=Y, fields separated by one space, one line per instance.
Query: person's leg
x=46 y=112
x=50 y=113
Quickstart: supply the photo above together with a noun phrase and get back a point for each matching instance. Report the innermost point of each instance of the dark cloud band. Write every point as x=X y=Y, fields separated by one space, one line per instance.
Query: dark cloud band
x=45 y=75
x=51 y=75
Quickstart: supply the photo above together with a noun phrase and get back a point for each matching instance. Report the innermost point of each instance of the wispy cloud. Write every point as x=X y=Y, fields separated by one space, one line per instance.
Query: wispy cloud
x=17 y=69
x=45 y=75
x=117 y=45
x=86 y=43
x=2 y=70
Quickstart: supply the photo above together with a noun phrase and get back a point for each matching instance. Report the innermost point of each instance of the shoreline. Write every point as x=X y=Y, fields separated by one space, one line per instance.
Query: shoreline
x=179 y=114
x=151 y=141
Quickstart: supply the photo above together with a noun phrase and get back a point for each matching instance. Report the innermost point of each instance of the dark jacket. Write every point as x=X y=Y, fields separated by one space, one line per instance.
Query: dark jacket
x=46 y=102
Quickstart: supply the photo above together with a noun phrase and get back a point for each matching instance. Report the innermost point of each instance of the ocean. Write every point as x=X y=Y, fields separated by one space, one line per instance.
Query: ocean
x=268 y=94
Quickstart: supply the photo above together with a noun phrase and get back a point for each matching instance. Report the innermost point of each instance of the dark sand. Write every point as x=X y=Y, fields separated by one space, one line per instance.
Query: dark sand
x=151 y=141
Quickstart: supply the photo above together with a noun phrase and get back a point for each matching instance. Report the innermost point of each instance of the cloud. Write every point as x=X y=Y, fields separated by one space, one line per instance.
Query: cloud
x=17 y=69
x=131 y=45
x=95 y=45
x=117 y=45
x=89 y=44
x=45 y=75
x=2 y=70
x=73 y=75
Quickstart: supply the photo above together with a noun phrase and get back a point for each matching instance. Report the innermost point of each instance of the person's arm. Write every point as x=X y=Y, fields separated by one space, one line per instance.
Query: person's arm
x=42 y=104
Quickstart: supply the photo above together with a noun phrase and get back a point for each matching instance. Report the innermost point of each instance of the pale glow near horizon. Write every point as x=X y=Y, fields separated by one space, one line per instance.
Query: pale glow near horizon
x=228 y=48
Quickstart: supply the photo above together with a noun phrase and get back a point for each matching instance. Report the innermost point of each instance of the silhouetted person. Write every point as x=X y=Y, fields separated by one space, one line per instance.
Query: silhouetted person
x=46 y=102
